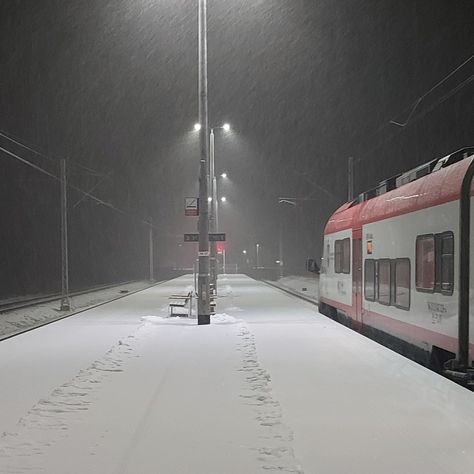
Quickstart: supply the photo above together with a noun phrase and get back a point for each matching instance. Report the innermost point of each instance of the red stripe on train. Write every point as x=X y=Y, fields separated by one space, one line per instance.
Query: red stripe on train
x=407 y=332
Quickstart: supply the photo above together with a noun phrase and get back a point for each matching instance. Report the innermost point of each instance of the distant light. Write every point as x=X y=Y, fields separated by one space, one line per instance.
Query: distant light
x=226 y=127
x=197 y=127
x=209 y=199
x=244 y=252
x=277 y=261
x=224 y=175
x=223 y=199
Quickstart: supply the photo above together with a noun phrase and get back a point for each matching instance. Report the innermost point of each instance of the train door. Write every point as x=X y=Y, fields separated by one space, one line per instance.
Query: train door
x=357 y=276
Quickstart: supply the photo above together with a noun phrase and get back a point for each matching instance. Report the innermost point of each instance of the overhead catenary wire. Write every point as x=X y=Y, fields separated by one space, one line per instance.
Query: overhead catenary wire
x=17 y=141
x=76 y=188
x=433 y=88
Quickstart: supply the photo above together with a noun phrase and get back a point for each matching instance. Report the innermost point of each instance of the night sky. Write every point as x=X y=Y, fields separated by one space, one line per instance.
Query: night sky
x=111 y=85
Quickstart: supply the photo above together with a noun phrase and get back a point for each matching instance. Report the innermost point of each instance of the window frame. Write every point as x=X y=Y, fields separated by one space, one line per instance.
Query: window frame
x=396 y=261
x=390 y=284
x=340 y=255
x=366 y=261
x=439 y=263
x=425 y=290
x=438 y=260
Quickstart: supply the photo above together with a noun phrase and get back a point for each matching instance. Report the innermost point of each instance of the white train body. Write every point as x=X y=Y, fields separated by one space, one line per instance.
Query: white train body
x=391 y=263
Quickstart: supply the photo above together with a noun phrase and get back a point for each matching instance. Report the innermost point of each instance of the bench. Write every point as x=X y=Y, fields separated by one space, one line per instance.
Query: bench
x=180 y=302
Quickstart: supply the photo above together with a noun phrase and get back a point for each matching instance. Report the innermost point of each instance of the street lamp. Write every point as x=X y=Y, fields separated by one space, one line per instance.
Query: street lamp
x=292 y=201
x=257 y=246
x=197 y=127
x=224 y=175
x=223 y=199
x=213 y=216
x=204 y=307
x=280 y=240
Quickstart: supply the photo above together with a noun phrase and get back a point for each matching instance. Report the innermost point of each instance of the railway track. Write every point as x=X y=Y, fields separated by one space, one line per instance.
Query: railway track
x=24 y=302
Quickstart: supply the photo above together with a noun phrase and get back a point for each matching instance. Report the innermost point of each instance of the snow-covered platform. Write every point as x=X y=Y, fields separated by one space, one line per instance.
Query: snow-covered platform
x=269 y=386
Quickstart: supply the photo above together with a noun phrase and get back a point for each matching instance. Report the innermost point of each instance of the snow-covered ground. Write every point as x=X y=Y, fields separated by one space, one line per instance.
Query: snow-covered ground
x=269 y=386
x=307 y=286
x=16 y=321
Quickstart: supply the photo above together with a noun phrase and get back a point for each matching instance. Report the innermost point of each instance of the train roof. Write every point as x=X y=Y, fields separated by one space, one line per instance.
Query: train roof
x=433 y=183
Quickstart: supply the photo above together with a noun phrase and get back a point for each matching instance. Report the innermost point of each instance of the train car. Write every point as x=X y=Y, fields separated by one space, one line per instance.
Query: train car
x=396 y=268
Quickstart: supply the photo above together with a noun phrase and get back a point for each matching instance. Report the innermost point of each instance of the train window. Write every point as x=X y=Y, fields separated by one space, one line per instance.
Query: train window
x=402 y=283
x=446 y=262
x=369 y=279
x=435 y=263
x=342 y=256
x=384 y=281
x=425 y=263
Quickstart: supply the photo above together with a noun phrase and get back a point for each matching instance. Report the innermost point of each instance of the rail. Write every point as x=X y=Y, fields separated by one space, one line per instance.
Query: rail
x=25 y=301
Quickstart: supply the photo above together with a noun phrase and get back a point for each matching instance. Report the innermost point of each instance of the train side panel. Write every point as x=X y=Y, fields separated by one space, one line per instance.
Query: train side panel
x=336 y=285
x=421 y=317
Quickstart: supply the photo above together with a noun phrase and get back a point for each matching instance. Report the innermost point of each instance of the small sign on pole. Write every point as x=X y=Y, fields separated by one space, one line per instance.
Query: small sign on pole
x=205 y=253
x=191 y=237
x=191 y=206
x=213 y=237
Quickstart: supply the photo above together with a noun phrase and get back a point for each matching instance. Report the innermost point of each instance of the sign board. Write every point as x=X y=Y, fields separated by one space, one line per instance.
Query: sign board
x=220 y=237
x=191 y=237
x=191 y=206
x=206 y=253
x=214 y=237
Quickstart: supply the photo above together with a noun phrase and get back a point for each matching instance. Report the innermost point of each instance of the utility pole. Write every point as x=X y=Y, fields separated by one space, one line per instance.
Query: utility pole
x=213 y=211
x=150 y=251
x=65 y=302
x=350 y=179
x=280 y=245
x=203 y=224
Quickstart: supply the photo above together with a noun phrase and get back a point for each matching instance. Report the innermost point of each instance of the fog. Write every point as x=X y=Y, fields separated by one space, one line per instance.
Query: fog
x=111 y=86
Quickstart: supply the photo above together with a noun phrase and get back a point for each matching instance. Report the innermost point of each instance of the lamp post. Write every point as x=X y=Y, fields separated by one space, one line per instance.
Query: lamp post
x=292 y=201
x=280 y=239
x=203 y=224
x=214 y=211
x=257 y=246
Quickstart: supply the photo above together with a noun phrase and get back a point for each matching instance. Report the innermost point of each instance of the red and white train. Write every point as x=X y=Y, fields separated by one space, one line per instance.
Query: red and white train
x=398 y=264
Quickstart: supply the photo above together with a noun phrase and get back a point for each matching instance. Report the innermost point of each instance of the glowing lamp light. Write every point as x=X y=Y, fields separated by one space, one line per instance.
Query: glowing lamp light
x=197 y=127
x=224 y=175
x=223 y=199
x=226 y=127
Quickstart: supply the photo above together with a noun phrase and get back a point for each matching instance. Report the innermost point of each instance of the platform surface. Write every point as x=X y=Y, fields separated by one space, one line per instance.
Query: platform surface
x=270 y=386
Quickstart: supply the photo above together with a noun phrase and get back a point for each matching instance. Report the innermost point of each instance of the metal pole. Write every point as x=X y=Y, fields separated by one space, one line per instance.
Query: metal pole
x=150 y=251
x=203 y=224
x=258 y=264
x=350 y=179
x=65 y=301
x=464 y=271
x=280 y=246
x=213 y=211
x=223 y=262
